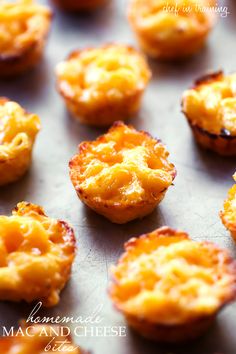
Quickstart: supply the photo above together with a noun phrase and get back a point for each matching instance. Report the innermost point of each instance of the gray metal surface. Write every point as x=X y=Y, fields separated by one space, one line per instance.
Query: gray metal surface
x=192 y=204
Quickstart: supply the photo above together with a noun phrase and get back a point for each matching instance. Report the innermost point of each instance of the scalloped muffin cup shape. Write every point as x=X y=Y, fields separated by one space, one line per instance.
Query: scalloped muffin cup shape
x=103 y=85
x=18 y=130
x=123 y=174
x=38 y=339
x=80 y=5
x=166 y=35
x=35 y=263
x=24 y=27
x=228 y=215
x=210 y=109
x=169 y=287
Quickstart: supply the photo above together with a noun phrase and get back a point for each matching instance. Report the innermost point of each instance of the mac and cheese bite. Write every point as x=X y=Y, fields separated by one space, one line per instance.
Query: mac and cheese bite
x=80 y=5
x=169 y=287
x=172 y=29
x=102 y=85
x=18 y=130
x=36 y=255
x=210 y=109
x=39 y=339
x=228 y=215
x=123 y=174
x=24 y=26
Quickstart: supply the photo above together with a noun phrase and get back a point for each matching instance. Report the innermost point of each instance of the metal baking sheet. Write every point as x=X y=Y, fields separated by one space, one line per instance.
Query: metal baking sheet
x=191 y=204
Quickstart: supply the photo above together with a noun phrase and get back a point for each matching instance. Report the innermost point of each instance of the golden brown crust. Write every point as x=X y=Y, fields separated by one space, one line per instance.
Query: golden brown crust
x=103 y=85
x=18 y=130
x=80 y=5
x=208 y=78
x=123 y=174
x=18 y=64
x=22 y=50
x=38 y=339
x=222 y=144
x=209 y=107
x=228 y=214
x=36 y=263
x=167 y=35
x=171 y=288
x=108 y=114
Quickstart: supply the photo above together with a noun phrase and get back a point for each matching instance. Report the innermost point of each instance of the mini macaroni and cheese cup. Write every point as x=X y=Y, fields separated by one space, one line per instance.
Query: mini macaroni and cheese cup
x=171 y=288
x=171 y=30
x=228 y=214
x=210 y=109
x=18 y=131
x=36 y=255
x=24 y=27
x=122 y=175
x=102 y=85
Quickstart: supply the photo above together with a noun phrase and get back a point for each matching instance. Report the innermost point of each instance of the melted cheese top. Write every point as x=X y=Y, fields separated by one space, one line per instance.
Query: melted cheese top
x=18 y=128
x=36 y=253
x=172 y=280
x=106 y=73
x=32 y=234
x=123 y=166
x=22 y=23
x=212 y=105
